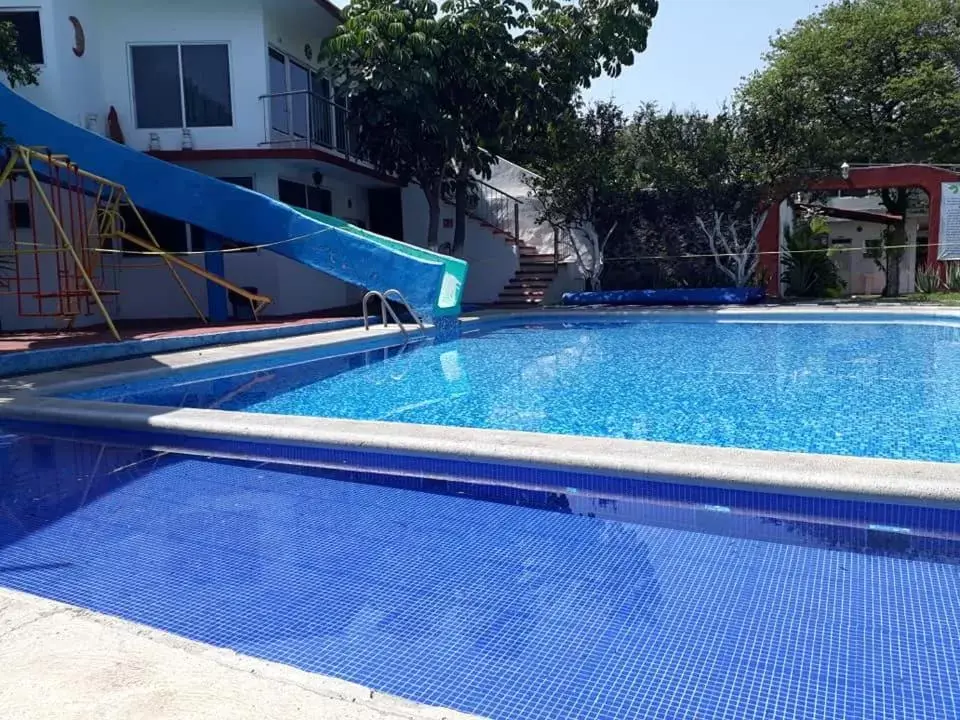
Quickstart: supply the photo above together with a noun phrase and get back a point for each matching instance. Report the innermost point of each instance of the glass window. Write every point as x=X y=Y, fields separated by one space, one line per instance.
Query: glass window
x=29 y=38
x=279 y=114
x=292 y=193
x=300 y=102
x=19 y=214
x=181 y=86
x=206 y=85
x=170 y=234
x=308 y=197
x=156 y=86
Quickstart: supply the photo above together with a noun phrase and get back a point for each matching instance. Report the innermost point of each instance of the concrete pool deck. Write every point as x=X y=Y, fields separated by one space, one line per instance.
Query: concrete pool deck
x=912 y=482
x=69 y=663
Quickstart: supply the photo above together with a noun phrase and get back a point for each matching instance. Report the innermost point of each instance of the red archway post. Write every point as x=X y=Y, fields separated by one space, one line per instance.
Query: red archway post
x=928 y=178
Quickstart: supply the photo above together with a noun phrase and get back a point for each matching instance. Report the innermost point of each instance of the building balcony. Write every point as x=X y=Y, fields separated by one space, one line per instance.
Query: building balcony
x=305 y=119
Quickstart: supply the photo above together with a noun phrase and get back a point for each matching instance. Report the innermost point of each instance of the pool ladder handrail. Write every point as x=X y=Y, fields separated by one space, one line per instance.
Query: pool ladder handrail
x=387 y=309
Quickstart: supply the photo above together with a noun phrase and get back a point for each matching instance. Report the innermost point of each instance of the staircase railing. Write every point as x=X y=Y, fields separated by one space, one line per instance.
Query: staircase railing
x=494 y=208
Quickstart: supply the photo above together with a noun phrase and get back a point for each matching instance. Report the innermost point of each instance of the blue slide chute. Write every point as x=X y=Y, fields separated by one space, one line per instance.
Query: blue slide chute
x=432 y=283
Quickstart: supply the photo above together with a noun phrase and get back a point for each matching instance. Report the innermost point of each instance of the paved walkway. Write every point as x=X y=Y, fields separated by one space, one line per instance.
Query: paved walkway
x=68 y=663
x=38 y=340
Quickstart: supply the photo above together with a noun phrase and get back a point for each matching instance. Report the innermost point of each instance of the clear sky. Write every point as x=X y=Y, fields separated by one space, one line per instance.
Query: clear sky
x=698 y=50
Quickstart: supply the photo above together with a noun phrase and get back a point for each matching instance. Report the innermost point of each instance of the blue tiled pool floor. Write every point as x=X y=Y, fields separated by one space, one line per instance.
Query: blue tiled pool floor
x=499 y=610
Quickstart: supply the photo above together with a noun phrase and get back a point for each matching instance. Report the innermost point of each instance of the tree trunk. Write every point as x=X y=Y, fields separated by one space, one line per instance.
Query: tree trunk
x=896 y=202
x=460 y=210
x=896 y=240
x=432 y=192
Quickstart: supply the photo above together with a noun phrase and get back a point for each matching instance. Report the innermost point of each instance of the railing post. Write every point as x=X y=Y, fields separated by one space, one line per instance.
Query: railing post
x=556 y=250
x=516 y=222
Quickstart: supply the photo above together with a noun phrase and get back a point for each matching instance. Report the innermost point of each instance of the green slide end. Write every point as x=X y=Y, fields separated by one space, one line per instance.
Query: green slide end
x=447 y=302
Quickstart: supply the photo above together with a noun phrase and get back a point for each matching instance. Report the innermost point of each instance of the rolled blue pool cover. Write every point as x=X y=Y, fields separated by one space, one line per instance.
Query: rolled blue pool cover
x=670 y=296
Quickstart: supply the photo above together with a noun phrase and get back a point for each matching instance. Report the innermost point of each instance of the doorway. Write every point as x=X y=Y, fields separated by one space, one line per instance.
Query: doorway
x=386 y=212
x=308 y=197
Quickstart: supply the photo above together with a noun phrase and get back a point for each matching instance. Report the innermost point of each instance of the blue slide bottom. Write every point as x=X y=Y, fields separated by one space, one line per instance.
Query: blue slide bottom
x=239 y=214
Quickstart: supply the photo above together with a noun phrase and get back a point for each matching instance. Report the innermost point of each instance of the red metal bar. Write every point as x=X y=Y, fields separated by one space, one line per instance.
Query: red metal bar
x=73 y=279
x=56 y=201
x=13 y=242
x=33 y=231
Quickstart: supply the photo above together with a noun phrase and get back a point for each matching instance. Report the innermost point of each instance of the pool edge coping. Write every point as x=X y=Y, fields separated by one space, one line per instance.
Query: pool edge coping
x=913 y=482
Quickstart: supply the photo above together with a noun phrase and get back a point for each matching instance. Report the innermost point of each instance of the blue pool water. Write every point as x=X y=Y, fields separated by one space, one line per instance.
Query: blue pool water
x=542 y=605
x=877 y=390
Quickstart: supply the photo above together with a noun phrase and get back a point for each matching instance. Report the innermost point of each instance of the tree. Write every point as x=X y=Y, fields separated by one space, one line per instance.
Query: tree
x=661 y=187
x=860 y=81
x=13 y=64
x=588 y=192
x=387 y=57
x=441 y=93
x=485 y=82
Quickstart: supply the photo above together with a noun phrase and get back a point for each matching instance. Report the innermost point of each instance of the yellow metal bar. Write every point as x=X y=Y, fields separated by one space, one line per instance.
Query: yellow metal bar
x=29 y=153
x=8 y=168
x=166 y=258
x=216 y=279
x=58 y=226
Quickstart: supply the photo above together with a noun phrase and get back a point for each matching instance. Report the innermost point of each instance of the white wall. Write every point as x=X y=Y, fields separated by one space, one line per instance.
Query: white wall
x=493 y=261
x=294 y=288
x=239 y=23
x=81 y=87
x=516 y=181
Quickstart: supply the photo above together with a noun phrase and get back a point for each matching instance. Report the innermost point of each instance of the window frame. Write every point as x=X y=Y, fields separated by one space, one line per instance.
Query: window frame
x=16 y=220
x=316 y=74
x=35 y=11
x=307 y=187
x=183 y=99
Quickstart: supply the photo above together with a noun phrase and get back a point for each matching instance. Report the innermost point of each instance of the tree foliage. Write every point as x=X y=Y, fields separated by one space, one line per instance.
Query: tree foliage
x=860 y=81
x=439 y=91
x=808 y=266
x=671 y=184
x=13 y=64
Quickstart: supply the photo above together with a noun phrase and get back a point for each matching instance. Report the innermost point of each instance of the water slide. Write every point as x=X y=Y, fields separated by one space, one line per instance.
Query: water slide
x=432 y=283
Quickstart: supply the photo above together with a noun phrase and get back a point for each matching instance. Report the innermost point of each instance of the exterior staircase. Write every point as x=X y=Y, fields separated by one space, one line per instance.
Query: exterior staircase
x=500 y=213
x=528 y=287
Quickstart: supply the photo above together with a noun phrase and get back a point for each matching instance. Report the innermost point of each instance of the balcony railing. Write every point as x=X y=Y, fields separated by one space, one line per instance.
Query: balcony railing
x=300 y=118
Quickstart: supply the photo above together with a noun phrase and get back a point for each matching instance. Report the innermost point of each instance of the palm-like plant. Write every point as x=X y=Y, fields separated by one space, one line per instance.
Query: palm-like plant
x=6 y=271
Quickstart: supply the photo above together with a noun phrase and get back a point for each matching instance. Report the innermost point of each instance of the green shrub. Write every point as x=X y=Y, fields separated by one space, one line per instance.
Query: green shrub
x=951 y=277
x=808 y=266
x=928 y=279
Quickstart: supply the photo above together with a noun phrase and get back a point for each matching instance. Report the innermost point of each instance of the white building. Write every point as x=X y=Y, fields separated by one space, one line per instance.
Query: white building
x=230 y=88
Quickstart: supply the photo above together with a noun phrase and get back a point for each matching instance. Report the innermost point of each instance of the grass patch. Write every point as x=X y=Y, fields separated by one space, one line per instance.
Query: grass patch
x=938 y=298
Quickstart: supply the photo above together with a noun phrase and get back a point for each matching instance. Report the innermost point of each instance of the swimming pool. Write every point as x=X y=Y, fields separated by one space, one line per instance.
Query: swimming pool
x=516 y=597
x=878 y=388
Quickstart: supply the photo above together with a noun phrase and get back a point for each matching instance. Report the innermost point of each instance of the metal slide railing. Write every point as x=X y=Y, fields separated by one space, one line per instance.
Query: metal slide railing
x=387 y=312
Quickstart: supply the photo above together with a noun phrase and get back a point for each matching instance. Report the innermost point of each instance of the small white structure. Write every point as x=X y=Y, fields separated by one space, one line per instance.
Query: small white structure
x=232 y=89
x=853 y=236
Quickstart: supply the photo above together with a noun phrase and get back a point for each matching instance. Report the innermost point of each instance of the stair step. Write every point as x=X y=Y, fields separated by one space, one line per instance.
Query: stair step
x=513 y=305
x=522 y=292
x=535 y=276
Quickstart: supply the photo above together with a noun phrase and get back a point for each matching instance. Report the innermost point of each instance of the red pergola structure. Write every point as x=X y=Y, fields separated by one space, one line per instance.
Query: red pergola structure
x=928 y=178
